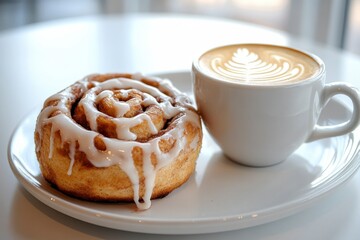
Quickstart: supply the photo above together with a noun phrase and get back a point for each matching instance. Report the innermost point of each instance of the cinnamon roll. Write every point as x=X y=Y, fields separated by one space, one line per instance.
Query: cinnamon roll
x=118 y=137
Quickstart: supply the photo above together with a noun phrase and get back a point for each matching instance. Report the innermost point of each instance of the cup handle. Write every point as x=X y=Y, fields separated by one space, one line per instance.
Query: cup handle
x=331 y=90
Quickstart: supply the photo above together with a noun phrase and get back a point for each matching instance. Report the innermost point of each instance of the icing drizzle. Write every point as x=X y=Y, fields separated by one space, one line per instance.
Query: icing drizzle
x=119 y=150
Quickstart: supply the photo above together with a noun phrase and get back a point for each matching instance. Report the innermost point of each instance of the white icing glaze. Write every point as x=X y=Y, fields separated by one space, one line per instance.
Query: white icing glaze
x=119 y=151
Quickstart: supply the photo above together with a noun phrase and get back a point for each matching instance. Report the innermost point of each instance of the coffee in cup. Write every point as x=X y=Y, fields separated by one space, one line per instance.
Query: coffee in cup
x=256 y=64
x=261 y=102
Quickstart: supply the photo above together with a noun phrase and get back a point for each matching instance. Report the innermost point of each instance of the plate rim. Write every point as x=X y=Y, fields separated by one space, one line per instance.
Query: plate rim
x=180 y=225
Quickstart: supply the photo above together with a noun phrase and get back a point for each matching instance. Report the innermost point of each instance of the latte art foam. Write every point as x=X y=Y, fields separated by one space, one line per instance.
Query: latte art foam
x=250 y=67
x=258 y=64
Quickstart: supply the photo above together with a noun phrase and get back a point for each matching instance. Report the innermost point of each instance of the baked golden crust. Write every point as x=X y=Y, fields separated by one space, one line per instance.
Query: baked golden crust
x=110 y=183
x=74 y=174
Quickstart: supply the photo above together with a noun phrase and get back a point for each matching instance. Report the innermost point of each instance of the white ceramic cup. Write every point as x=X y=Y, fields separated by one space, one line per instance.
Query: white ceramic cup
x=262 y=124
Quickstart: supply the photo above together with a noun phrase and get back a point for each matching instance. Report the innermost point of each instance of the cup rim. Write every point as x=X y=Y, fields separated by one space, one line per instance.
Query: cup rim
x=306 y=81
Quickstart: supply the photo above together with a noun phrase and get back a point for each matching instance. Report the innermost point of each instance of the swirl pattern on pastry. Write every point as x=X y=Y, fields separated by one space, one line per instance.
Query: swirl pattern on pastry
x=118 y=137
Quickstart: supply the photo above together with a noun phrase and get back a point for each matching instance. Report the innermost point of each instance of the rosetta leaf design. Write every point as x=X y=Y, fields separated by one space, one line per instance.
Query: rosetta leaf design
x=248 y=66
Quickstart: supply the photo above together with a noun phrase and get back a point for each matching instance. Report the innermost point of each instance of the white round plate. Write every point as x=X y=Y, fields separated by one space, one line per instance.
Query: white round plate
x=221 y=195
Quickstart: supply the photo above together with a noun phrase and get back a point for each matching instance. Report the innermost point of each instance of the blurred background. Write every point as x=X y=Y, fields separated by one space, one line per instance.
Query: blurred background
x=331 y=22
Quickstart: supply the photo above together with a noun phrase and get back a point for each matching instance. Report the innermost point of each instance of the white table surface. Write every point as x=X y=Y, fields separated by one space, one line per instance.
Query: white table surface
x=39 y=60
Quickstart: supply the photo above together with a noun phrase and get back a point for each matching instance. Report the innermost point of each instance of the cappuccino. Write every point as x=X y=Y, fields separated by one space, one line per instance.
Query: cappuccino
x=258 y=64
x=262 y=102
